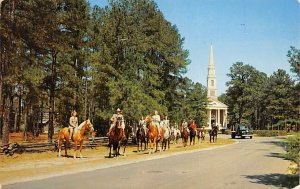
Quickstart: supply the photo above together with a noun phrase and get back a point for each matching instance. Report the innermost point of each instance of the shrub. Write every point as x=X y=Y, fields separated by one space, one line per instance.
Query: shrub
x=269 y=133
x=293 y=150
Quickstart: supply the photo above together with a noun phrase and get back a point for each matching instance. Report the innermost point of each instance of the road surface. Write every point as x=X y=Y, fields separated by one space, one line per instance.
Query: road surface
x=250 y=163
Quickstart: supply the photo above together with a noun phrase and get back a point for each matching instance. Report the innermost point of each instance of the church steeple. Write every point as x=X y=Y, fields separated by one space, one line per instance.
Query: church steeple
x=211 y=77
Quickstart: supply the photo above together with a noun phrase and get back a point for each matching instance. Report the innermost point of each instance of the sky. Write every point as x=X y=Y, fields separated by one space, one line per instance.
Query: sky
x=256 y=32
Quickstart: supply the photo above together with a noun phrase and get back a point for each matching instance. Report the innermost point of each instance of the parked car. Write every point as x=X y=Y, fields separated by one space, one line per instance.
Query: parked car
x=242 y=131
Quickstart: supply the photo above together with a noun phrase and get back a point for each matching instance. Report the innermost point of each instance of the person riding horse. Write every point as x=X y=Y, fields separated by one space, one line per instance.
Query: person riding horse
x=73 y=123
x=193 y=127
x=156 y=121
x=184 y=125
x=143 y=125
x=116 y=118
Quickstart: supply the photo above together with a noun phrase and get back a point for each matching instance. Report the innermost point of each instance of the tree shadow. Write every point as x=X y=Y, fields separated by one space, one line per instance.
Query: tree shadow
x=277 y=155
x=276 y=143
x=278 y=180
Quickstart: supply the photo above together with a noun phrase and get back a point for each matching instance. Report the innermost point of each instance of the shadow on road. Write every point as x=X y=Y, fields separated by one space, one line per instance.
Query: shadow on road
x=278 y=180
x=281 y=144
x=277 y=155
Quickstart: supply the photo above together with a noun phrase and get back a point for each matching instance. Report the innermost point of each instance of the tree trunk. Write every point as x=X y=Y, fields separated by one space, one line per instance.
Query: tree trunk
x=5 y=131
x=25 y=124
x=1 y=87
x=19 y=113
x=52 y=96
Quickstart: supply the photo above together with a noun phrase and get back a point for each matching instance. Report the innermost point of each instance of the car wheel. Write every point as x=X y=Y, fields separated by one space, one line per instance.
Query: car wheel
x=250 y=137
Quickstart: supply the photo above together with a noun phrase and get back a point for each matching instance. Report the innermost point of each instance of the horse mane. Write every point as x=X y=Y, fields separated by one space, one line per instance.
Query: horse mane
x=148 y=119
x=83 y=123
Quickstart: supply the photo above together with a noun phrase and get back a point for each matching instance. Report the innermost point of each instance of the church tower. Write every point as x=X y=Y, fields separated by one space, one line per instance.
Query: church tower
x=216 y=110
x=211 y=77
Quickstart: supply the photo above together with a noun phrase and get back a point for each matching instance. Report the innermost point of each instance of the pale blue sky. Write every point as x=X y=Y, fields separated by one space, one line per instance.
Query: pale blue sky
x=256 y=32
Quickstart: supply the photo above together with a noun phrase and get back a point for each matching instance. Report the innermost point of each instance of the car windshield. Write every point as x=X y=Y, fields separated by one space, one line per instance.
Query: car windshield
x=243 y=127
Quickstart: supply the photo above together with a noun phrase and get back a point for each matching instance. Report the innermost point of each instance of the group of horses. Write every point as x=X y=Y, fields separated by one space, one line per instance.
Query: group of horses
x=147 y=136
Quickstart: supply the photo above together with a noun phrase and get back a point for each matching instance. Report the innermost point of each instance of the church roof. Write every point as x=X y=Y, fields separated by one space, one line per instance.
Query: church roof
x=215 y=104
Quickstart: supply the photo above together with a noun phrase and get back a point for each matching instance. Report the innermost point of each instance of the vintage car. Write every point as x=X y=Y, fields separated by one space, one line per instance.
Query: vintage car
x=242 y=131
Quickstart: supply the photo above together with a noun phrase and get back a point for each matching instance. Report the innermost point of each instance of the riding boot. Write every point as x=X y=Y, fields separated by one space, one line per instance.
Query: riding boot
x=71 y=134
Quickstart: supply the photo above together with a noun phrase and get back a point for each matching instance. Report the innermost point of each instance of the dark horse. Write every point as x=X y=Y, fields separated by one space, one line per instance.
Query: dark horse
x=141 y=137
x=128 y=133
x=185 y=136
x=115 y=138
x=213 y=133
x=192 y=135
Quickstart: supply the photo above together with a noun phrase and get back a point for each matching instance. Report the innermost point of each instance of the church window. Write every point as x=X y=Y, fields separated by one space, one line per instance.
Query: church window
x=212 y=82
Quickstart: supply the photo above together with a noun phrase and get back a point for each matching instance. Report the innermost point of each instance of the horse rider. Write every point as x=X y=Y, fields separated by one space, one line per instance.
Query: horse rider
x=156 y=121
x=142 y=124
x=184 y=125
x=114 y=119
x=73 y=123
x=193 y=125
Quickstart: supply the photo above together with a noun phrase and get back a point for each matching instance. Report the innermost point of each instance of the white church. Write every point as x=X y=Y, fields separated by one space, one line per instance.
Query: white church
x=216 y=110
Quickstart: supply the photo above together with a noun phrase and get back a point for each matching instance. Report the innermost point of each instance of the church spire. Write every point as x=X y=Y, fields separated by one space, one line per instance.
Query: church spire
x=211 y=58
x=211 y=77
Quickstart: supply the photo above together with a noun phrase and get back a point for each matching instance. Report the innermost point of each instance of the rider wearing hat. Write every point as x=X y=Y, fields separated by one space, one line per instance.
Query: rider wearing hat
x=114 y=118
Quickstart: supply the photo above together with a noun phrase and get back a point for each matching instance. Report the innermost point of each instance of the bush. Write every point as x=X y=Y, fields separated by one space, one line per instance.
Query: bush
x=293 y=150
x=269 y=133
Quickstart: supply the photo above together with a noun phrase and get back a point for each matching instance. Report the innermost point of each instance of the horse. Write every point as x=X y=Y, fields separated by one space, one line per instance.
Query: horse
x=175 y=135
x=192 y=136
x=185 y=136
x=115 y=138
x=78 y=136
x=201 y=134
x=166 y=137
x=213 y=133
x=152 y=134
x=141 y=137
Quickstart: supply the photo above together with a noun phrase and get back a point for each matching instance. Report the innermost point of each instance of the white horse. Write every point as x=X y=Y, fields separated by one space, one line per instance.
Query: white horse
x=175 y=134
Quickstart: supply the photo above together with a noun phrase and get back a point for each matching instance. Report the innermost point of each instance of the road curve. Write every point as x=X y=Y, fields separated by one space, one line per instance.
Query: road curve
x=251 y=163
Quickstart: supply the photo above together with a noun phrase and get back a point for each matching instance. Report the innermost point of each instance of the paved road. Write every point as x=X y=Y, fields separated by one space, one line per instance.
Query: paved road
x=247 y=164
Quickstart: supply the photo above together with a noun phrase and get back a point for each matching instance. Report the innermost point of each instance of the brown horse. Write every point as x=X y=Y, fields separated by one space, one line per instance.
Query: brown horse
x=152 y=134
x=115 y=138
x=201 y=134
x=78 y=136
x=185 y=136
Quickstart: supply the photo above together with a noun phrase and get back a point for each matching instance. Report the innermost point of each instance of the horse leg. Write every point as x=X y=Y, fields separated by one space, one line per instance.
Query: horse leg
x=80 y=149
x=124 y=150
x=150 y=146
x=59 y=147
x=75 y=149
x=67 y=142
x=109 y=150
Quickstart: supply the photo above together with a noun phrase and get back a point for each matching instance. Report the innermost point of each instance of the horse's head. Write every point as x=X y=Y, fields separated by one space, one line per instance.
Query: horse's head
x=148 y=120
x=88 y=124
